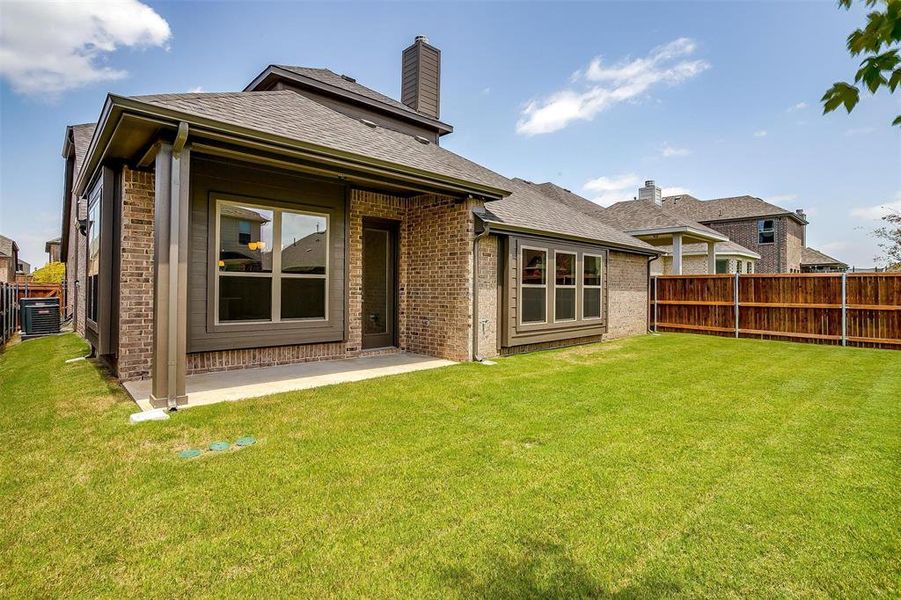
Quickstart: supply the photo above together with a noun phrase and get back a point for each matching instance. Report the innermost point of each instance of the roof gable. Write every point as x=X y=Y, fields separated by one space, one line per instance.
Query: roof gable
x=811 y=256
x=345 y=87
x=724 y=209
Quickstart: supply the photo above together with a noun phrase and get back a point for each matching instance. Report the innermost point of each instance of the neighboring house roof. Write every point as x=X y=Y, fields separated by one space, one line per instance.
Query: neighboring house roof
x=810 y=256
x=8 y=247
x=53 y=242
x=727 y=209
x=531 y=209
x=645 y=217
x=290 y=115
x=728 y=248
x=239 y=212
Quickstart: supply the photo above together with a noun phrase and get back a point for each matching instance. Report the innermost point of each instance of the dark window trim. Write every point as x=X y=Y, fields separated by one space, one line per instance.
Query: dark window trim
x=518 y=333
x=762 y=229
x=309 y=325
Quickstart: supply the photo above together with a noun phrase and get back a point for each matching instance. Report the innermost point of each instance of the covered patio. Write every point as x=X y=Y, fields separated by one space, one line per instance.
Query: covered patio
x=209 y=388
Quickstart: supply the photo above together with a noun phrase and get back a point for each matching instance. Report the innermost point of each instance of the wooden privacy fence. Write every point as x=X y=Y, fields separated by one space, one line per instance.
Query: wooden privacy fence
x=859 y=309
x=44 y=290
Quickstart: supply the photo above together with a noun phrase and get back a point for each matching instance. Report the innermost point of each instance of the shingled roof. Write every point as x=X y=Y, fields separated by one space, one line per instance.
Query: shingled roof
x=531 y=207
x=811 y=256
x=293 y=116
x=645 y=216
x=348 y=84
x=81 y=138
x=725 y=209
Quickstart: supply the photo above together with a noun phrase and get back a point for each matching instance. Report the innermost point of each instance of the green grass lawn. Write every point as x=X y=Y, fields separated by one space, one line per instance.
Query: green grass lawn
x=659 y=465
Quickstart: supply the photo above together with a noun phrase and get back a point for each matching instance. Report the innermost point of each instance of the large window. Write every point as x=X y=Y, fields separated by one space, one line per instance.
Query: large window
x=575 y=291
x=533 y=282
x=766 y=231
x=592 y=285
x=272 y=263
x=93 y=267
x=564 y=286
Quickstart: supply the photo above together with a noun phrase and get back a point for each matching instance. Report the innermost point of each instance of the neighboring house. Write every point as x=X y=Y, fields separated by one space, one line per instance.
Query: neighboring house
x=730 y=258
x=23 y=272
x=9 y=260
x=52 y=248
x=647 y=219
x=308 y=218
x=814 y=261
x=774 y=233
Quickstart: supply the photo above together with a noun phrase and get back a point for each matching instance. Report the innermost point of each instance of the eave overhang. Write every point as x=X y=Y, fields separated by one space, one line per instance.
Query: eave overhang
x=274 y=73
x=120 y=112
x=687 y=231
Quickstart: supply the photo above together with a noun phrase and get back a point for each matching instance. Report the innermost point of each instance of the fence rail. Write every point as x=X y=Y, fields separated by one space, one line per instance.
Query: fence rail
x=859 y=309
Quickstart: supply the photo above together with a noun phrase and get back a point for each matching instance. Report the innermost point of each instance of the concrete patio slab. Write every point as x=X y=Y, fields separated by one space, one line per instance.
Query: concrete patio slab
x=225 y=386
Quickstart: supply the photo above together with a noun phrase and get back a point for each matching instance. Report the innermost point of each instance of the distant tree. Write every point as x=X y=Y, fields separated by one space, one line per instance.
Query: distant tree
x=52 y=272
x=880 y=68
x=889 y=236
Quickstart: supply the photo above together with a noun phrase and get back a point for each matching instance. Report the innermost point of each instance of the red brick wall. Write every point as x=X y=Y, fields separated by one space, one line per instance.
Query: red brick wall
x=136 y=275
x=783 y=256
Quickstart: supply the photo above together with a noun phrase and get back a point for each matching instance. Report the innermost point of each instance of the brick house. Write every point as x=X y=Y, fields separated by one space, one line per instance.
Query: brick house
x=776 y=234
x=9 y=260
x=308 y=217
x=687 y=247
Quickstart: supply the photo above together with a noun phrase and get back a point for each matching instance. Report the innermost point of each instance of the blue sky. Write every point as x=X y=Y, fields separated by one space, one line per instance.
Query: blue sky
x=718 y=99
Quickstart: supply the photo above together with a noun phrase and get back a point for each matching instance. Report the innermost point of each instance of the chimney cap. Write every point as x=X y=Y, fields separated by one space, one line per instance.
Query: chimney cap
x=421 y=38
x=648 y=182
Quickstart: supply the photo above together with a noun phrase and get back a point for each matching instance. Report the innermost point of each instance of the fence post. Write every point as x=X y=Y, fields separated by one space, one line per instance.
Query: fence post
x=655 y=304
x=735 y=298
x=844 y=309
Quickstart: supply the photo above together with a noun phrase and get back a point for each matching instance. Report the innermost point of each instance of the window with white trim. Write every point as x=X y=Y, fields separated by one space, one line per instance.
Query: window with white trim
x=272 y=263
x=592 y=285
x=533 y=285
x=766 y=231
x=564 y=286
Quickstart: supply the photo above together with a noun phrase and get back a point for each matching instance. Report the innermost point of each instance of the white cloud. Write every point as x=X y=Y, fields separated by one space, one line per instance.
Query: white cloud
x=760 y=133
x=610 y=190
x=48 y=48
x=674 y=191
x=603 y=86
x=798 y=106
x=860 y=130
x=874 y=213
x=670 y=151
x=196 y=90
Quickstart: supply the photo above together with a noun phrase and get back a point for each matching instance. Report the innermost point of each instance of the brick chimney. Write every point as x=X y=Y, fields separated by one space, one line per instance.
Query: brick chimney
x=650 y=191
x=420 y=84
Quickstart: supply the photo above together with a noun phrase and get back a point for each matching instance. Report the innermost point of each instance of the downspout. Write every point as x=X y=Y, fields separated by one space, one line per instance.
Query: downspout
x=650 y=260
x=475 y=292
x=174 y=251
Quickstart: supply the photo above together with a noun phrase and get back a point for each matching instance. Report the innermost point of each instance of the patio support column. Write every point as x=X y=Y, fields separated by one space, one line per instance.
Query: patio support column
x=677 y=254
x=170 y=273
x=711 y=258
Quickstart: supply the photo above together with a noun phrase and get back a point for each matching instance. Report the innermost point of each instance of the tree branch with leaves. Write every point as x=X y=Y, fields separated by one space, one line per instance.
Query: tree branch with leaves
x=878 y=41
x=889 y=236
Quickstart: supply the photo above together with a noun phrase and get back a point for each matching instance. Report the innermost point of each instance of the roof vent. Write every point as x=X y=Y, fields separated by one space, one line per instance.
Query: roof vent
x=348 y=78
x=421 y=139
x=368 y=123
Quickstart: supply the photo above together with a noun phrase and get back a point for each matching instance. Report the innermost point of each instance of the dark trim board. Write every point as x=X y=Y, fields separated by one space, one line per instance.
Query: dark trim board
x=513 y=333
x=216 y=177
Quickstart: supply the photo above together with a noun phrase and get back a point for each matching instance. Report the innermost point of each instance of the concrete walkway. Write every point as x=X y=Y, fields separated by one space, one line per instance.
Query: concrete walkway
x=209 y=388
